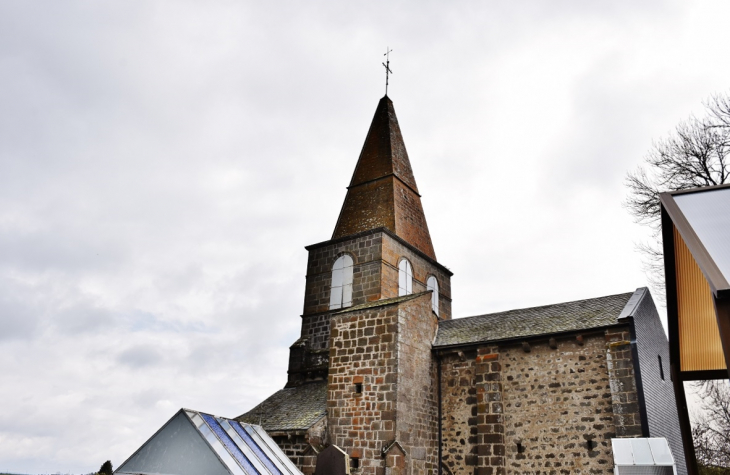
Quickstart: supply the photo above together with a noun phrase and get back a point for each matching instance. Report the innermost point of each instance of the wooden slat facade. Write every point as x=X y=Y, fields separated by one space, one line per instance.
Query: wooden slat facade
x=699 y=336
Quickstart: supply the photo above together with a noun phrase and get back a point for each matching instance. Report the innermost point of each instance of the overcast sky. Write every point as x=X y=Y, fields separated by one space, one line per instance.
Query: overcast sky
x=164 y=163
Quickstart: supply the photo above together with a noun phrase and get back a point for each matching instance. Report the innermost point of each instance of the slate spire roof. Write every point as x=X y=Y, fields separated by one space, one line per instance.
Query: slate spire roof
x=383 y=191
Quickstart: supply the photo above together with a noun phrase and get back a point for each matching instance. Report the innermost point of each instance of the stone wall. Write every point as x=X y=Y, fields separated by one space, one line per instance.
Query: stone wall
x=302 y=447
x=416 y=423
x=316 y=330
x=363 y=352
x=490 y=412
x=542 y=407
x=308 y=357
x=393 y=251
x=558 y=407
x=365 y=250
x=624 y=397
x=381 y=393
x=375 y=276
x=459 y=412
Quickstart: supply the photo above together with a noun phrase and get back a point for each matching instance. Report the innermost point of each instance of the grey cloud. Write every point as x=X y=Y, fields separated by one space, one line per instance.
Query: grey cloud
x=17 y=319
x=140 y=356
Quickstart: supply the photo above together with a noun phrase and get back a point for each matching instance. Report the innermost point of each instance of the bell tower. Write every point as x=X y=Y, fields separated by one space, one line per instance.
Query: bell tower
x=380 y=248
x=374 y=296
x=362 y=376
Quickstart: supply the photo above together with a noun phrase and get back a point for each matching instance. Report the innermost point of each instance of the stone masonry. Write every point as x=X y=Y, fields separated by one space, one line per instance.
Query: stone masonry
x=622 y=378
x=365 y=250
x=302 y=447
x=375 y=258
x=538 y=407
x=381 y=400
x=459 y=412
x=490 y=412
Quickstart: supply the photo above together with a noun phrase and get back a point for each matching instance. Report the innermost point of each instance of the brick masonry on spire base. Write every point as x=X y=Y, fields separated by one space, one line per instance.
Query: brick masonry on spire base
x=383 y=191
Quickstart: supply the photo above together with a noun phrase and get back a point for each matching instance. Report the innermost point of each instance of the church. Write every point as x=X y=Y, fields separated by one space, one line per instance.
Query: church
x=383 y=373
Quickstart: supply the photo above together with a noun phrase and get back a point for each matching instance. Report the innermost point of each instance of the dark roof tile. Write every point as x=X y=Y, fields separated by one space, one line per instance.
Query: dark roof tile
x=529 y=322
x=297 y=408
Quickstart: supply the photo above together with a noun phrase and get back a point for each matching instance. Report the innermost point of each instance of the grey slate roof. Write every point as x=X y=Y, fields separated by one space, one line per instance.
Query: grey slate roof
x=528 y=322
x=297 y=408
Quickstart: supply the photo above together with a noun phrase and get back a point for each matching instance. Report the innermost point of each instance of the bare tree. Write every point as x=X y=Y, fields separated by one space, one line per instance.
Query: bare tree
x=711 y=428
x=696 y=154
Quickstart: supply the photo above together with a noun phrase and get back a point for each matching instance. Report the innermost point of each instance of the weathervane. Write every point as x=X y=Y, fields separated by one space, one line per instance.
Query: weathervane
x=386 y=64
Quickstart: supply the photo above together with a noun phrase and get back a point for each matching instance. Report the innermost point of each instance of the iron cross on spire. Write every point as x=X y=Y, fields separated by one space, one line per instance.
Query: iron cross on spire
x=386 y=64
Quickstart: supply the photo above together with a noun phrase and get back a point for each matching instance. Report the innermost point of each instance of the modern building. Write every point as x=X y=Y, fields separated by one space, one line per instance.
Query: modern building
x=195 y=443
x=695 y=236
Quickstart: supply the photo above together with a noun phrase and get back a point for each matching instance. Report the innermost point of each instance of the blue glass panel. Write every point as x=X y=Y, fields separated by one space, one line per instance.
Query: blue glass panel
x=230 y=445
x=250 y=455
x=270 y=447
x=233 y=467
x=257 y=450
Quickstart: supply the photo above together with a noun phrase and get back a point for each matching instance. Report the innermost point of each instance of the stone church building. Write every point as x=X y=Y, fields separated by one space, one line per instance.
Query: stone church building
x=383 y=372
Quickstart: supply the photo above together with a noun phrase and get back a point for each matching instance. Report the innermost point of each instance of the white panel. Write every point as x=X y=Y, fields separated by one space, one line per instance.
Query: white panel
x=432 y=284
x=347 y=274
x=337 y=275
x=347 y=282
x=642 y=452
x=708 y=212
x=339 y=263
x=661 y=451
x=347 y=295
x=622 y=453
x=401 y=280
x=335 y=297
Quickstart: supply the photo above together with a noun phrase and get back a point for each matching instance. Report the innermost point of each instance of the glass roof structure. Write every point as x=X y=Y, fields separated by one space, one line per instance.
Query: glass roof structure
x=196 y=443
x=652 y=454
x=708 y=213
x=695 y=238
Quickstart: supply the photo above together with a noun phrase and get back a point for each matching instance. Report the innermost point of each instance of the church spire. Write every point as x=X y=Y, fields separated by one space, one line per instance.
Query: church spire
x=383 y=191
